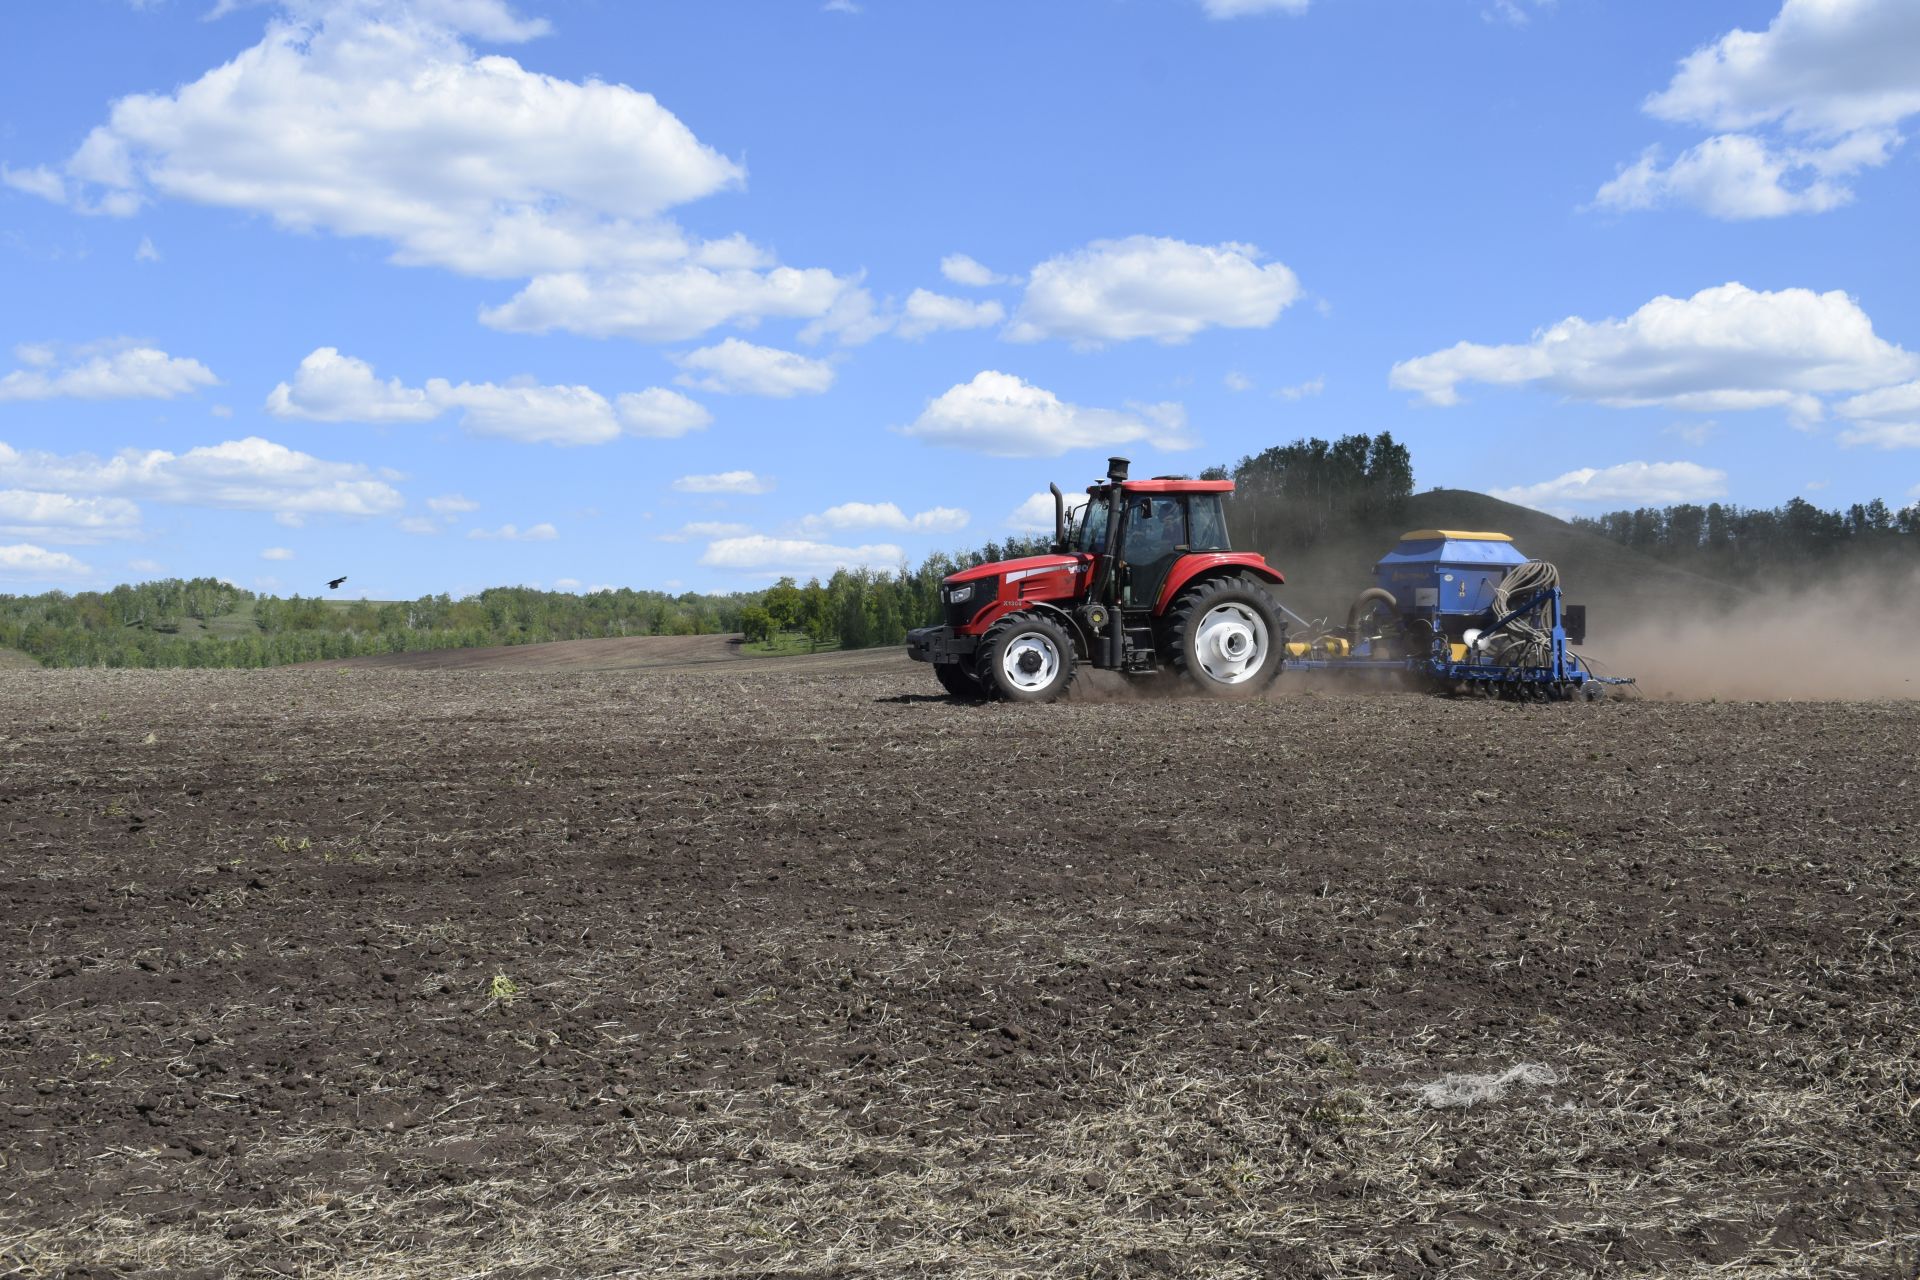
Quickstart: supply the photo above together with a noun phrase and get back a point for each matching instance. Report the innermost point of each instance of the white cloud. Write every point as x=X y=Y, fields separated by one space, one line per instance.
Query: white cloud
x=419 y=526
x=927 y=312
x=961 y=269
x=724 y=482
x=1007 y=417
x=1150 y=287
x=24 y=560
x=59 y=517
x=542 y=532
x=665 y=305
x=146 y=252
x=121 y=373
x=705 y=529
x=451 y=504
x=374 y=118
x=1631 y=483
x=741 y=368
x=840 y=6
x=1035 y=515
x=660 y=413
x=1797 y=110
x=851 y=320
x=1888 y=418
x=1237 y=381
x=885 y=515
x=1242 y=8
x=1302 y=390
x=330 y=387
x=1729 y=176
x=530 y=413
x=377 y=120
x=276 y=553
x=248 y=475
x=1726 y=348
x=757 y=551
x=146 y=566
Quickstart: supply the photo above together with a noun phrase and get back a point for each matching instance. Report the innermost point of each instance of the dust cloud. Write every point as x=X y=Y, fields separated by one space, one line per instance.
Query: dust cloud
x=1849 y=639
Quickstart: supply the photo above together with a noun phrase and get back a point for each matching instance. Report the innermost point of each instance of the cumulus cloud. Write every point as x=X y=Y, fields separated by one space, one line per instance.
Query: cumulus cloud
x=34 y=564
x=330 y=387
x=724 y=482
x=1035 y=515
x=419 y=526
x=660 y=413
x=927 y=312
x=375 y=118
x=60 y=517
x=961 y=269
x=1633 y=483
x=1008 y=417
x=1888 y=418
x=542 y=532
x=799 y=555
x=734 y=367
x=119 y=372
x=1151 y=287
x=1725 y=348
x=1797 y=110
x=885 y=515
x=1301 y=390
x=247 y=475
x=451 y=504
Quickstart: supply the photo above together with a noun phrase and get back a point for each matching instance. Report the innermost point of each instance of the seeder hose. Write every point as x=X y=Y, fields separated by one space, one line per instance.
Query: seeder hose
x=1532 y=644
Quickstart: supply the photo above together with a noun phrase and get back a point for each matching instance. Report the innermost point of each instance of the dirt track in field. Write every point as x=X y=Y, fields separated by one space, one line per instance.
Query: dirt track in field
x=732 y=970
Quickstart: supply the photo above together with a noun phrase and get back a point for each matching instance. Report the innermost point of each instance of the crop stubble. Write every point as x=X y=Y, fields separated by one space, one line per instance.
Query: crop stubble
x=804 y=971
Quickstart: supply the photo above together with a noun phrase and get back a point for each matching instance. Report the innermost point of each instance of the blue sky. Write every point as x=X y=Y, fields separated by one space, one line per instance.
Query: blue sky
x=443 y=294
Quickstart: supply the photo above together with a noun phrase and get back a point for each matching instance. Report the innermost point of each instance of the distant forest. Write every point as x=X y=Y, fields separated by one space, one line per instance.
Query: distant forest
x=1739 y=544
x=1289 y=496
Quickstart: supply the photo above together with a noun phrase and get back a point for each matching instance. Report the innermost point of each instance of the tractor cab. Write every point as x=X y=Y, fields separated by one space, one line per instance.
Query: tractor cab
x=1160 y=522
x=1142 y=580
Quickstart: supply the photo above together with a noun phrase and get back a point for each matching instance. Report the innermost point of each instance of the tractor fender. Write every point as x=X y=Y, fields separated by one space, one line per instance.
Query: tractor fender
x=984 y=620
x=1192 y=570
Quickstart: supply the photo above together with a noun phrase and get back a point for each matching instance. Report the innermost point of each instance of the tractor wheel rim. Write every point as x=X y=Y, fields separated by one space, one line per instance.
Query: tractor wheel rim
x=1231 y=643
x=1041 y=647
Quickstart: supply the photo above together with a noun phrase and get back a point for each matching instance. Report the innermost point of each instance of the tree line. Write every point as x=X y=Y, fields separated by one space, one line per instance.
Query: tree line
x=1740 y=544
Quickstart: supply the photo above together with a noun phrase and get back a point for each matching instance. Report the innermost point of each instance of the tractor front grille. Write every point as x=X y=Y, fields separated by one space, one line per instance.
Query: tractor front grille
x=984 y=592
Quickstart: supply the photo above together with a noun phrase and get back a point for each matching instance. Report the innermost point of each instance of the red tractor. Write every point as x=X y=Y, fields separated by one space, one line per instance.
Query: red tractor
x=1143 y=582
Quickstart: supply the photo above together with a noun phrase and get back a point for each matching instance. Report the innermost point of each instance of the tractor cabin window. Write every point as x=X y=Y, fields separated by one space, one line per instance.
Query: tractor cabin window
x=1207 y=524
x=1093 y=529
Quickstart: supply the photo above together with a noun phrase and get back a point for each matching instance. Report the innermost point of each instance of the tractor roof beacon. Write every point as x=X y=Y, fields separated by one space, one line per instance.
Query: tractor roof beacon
x=1144 y=582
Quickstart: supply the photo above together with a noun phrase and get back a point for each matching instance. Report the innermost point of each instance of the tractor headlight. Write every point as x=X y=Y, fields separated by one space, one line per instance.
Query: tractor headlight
x=960 y=595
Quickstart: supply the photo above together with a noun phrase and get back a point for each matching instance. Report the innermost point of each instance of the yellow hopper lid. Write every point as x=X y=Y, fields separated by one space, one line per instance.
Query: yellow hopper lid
x=1430 y=535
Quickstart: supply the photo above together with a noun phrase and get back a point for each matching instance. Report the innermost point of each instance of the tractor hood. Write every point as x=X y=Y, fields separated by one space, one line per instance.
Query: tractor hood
x=1025 y=565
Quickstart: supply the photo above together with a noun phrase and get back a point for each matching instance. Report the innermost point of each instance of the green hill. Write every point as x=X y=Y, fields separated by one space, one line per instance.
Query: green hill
x=1616 y=583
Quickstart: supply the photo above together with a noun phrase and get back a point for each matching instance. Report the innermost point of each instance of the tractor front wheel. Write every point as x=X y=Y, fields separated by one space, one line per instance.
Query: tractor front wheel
x=959 y=680
x=1027 y=657
x=1225 y=638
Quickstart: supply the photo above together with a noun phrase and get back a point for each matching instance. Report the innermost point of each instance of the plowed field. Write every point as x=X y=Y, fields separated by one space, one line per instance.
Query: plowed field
x=804 y=971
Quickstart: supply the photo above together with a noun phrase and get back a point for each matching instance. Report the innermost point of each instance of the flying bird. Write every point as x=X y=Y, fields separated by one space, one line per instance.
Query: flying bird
x=334 y=584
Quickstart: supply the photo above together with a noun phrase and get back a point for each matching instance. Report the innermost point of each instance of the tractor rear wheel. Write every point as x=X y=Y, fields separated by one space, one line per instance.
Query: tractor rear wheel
x=959 y=680
x=1026 y=657
x=1225 y=638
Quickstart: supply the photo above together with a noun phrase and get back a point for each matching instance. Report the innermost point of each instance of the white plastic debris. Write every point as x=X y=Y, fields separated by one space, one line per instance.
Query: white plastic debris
x=1467 y=1088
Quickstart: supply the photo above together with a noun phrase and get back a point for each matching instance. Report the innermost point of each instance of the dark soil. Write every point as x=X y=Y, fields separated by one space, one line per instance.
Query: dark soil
x=743 y=970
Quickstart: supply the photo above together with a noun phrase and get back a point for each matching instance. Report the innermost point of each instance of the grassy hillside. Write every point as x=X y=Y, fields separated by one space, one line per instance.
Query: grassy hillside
x=1616 y=583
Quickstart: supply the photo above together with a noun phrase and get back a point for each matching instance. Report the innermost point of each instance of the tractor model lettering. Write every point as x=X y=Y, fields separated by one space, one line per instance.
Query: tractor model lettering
x=1144 y=582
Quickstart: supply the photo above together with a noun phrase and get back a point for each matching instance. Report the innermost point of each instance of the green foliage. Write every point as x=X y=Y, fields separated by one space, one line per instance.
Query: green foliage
x=1294 y=495
x=207 y=623
x=1745 y=544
